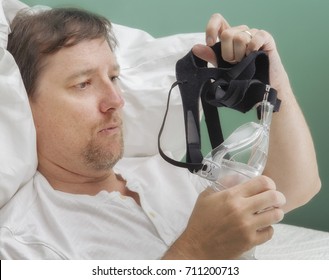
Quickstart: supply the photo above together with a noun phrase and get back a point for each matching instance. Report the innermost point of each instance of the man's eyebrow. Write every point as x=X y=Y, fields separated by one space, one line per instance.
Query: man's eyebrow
x=116 y=68
x=81 y=73
x=86 y=72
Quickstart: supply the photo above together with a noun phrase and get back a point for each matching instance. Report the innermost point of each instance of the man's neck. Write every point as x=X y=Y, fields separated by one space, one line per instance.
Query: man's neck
x=86 y=181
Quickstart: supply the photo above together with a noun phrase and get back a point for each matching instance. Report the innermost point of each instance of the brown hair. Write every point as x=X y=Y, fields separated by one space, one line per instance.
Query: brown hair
x=35 y=35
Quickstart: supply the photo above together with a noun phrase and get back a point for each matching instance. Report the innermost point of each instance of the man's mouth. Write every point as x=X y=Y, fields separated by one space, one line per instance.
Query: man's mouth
x=111 y=129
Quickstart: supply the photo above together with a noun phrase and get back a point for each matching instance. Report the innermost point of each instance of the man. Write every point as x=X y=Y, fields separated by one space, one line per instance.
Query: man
x=83 y=203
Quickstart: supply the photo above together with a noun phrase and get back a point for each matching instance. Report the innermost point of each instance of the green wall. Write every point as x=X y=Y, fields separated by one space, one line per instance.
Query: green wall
x=301 y=30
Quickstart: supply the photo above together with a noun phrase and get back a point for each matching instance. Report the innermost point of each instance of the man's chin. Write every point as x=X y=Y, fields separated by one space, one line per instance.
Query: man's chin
x=99 y=158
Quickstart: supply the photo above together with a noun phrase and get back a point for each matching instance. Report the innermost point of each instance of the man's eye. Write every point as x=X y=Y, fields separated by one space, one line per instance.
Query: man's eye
x=83 y=85
x=114 y=78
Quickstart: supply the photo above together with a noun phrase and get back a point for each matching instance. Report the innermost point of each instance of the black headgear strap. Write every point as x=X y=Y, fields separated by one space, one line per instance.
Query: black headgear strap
x=238 y=86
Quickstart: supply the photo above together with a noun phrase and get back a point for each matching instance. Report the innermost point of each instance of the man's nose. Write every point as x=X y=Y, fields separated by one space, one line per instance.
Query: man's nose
x=111 y=97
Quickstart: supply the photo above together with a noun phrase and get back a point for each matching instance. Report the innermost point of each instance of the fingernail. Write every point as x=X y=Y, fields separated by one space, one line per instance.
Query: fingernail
x=209 y=41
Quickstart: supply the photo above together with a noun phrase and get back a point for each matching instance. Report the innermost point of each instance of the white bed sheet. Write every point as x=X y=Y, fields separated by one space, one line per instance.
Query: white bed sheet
x=295 y=243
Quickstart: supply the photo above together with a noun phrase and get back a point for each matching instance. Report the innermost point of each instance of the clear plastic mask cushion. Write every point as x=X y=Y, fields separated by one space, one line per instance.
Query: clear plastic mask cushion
x=242 y=155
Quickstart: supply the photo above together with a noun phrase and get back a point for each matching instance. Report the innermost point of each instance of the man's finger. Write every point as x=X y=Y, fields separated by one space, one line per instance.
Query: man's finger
x=216 y=25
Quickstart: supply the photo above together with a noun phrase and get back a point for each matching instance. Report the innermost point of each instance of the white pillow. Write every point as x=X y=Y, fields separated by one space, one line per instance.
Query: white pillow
x=147 y=72
x=18 y=160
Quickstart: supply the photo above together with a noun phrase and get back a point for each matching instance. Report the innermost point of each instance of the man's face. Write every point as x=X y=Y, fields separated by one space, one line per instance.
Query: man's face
x=76 y=109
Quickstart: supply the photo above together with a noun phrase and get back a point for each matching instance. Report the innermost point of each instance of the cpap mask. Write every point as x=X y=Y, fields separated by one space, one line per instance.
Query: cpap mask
x=242 y=155
x=243 y=86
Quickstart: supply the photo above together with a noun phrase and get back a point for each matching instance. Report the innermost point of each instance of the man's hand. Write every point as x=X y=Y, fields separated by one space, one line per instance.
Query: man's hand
x=239 y=41
x=225 y=224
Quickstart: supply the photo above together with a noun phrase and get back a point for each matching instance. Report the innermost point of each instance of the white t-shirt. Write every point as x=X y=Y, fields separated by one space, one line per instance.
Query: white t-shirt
x=42 y=223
